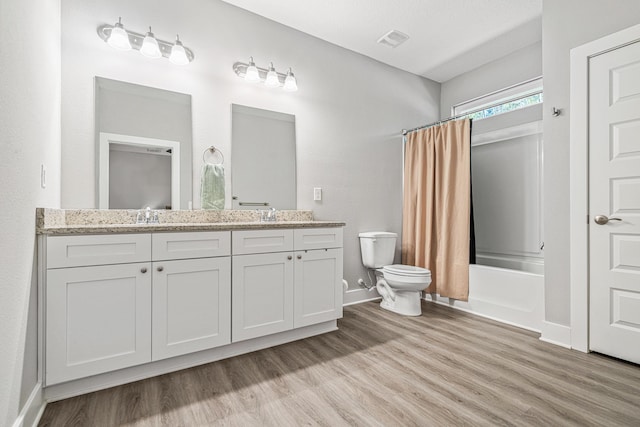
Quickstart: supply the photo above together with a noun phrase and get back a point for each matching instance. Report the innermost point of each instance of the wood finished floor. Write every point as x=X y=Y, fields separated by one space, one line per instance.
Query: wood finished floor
x=443 y=368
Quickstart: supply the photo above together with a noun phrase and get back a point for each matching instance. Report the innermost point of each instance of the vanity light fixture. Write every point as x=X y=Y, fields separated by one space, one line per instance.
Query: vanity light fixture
x=120 y=38
x=269 y=76
x=178 y=53
x=150 y=47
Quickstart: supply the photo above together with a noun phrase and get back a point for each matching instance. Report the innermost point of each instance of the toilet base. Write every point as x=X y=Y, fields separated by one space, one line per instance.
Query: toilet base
x=406 y=303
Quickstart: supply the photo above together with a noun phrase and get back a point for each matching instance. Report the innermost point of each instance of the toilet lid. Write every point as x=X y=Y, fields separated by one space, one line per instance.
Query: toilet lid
x=406 y=270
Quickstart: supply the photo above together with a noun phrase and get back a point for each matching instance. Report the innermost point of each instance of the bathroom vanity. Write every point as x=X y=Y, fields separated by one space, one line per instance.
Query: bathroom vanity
x=122 y=302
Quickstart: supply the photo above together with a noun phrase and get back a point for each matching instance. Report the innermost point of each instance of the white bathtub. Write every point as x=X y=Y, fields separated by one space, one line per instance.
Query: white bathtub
x=509 y=296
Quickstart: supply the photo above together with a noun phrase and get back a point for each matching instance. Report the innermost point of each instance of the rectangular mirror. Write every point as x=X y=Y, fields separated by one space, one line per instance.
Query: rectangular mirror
x=143 y=146
x=263 y=159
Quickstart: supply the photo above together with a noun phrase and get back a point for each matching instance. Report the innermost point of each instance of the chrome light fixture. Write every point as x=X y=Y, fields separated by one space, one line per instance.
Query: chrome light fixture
x=290 y=83
x=120 y=38
x=150 y=47
x=271 y=78
x=252 y=75
x=178 y=54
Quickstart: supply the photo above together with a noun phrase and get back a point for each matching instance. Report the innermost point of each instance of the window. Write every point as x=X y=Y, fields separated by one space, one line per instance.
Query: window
x=513 y=98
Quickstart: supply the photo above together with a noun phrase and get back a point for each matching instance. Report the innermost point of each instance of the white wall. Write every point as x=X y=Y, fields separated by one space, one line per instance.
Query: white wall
x=349 y=109
x=567 y=24
x=30 y=126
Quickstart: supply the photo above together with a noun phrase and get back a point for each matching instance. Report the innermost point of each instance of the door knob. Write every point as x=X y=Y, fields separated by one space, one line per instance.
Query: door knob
x=289 y=257
x=160 y=268
x=299 y=257
x=143 y=270
x=603 y=219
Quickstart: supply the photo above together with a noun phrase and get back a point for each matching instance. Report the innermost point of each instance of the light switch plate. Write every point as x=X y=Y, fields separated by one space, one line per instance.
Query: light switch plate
x=317 y=193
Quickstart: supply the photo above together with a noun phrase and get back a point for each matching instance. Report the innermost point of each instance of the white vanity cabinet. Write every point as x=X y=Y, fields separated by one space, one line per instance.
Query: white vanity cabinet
x=285 y=279
x=124 y=306
x=191 y=292
x=101 y=318
x=98 y=317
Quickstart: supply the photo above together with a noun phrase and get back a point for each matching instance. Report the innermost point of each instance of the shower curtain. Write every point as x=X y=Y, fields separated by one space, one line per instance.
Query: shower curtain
x=437 y=204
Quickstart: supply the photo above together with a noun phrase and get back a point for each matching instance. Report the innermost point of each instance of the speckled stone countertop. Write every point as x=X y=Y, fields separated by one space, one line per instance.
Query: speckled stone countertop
x=103 y=221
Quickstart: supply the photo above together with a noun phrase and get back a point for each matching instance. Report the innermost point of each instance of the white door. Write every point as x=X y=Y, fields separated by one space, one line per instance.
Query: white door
x=98 y=319
x=262 y=295
x=317 y=286
x=614 y=194
x=191 y=305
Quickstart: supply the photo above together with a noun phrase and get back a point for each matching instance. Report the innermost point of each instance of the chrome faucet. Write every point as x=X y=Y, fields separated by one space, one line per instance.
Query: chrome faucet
x=268 y=215
x=147 y=216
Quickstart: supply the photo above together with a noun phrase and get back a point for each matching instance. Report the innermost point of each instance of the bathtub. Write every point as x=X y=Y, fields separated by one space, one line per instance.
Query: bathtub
x=509 y=296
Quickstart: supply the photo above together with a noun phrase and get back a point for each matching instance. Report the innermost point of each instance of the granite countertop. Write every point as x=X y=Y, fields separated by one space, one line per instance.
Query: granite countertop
x=95 y=221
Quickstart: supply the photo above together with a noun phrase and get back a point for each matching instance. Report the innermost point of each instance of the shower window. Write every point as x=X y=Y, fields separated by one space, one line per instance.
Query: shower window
x=506 y=167
x=503 y=101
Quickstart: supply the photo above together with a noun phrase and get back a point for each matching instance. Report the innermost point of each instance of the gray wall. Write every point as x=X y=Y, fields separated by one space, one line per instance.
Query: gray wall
x=521 y=65
x=138 y=180
x=30 y=126
x=349 y=108
x=567 y=24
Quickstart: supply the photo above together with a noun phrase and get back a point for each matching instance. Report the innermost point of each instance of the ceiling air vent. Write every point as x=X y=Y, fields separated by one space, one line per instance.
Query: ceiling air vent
x=393 y=38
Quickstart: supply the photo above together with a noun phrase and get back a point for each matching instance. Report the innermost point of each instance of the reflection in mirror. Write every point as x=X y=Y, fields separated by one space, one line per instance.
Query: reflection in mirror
x=143 y=138
x=138 y=172
x=263 y=159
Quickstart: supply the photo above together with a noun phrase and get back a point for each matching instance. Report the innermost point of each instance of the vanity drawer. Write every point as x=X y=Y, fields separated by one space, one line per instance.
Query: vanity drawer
x=317 y=238
x=204 y=244
x=80 y=251
x=261 y=241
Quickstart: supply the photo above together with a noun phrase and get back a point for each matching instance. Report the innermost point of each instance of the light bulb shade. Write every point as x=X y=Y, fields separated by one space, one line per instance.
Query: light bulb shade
x=119 y=39
x=252 y=74
x=272 y=78
x=178 y=54
x=150 y=47
x=290 y=83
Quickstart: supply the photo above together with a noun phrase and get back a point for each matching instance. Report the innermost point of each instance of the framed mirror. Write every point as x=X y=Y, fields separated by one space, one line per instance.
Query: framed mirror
x=263 y=159
x=143 y=146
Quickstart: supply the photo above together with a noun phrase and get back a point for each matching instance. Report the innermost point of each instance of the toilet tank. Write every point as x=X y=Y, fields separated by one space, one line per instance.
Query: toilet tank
x=377 y=248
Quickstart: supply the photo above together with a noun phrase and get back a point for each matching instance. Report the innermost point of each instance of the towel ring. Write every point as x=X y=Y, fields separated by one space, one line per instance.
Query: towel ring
x=213 y=150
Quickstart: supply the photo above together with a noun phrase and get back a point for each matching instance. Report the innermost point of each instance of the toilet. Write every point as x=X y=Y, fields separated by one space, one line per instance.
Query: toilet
x=399 y=285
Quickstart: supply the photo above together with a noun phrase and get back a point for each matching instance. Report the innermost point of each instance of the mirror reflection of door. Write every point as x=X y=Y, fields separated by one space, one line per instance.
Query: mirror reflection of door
x=135 y=172
x=263 y=159
x=146 y=174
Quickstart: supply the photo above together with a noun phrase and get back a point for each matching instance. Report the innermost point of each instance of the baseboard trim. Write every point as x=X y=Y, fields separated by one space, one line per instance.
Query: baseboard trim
x=32 y=410
x=557 y=334
x=357 y=296
x=427 y=297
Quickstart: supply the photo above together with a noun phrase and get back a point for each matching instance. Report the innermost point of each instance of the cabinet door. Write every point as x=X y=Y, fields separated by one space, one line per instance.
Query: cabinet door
x=98 y=319
x=317 y=286
x=191 y=305
x=262 y=296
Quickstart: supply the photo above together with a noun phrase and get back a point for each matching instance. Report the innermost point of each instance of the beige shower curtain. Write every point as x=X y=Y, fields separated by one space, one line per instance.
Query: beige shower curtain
x=435 y=217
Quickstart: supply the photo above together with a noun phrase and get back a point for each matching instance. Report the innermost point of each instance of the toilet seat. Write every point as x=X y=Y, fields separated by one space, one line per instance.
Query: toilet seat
x=406 y=270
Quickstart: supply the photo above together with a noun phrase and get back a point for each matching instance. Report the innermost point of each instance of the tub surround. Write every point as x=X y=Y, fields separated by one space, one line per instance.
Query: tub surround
x=103 y=221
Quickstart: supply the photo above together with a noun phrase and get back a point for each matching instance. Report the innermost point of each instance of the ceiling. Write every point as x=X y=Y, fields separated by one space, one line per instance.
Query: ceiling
x=446 y=37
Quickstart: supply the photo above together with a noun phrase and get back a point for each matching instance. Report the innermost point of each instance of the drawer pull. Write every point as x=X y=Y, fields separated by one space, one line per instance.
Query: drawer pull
x=160 y=268
x=143 y=270
x=299 y=257
x=289 y=257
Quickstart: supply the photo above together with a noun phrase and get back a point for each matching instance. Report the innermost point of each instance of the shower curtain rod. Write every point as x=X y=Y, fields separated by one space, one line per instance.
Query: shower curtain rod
x=439 y=122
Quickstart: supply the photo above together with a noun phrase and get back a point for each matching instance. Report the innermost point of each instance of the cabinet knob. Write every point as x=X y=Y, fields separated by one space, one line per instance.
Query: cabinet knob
x=289 y=257
x=299 y=257
x=143 y=270
x=160 y=268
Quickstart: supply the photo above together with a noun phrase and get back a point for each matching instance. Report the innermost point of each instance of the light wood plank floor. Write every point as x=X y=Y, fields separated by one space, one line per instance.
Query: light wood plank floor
x=443 y=368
